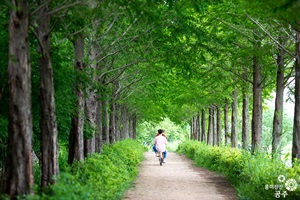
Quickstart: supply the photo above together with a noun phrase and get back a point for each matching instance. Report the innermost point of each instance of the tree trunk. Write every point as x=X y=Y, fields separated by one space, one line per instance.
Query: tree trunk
x=117 y=122
x=105 y=124
x=219 y=125
x=112 y=122
x=125 y=132
x=210 y=126
x=296 y=129
x=191 y=129
x=215 y=139
x=226 y=123
x=245 y=121
x=203 y=125
x=76 y=133
x=130 y=127
x=98 y=137
x=234 y=117
x=91 y=101
x=194 y=129
x=18 y=175
x=48 y=126
x=277 y=120
x=257 y=105
x=134 y=123
x=198 y=126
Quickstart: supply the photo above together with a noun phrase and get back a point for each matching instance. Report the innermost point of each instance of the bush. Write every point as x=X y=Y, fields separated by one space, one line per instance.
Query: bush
x=100 y=176
x=255 y=176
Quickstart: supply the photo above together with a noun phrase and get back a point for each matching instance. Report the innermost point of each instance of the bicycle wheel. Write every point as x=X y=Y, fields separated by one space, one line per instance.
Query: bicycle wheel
x=160 y=161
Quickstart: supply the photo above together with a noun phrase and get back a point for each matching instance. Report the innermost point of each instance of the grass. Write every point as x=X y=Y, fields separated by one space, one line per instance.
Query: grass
x=254 y=176
x=100 y=176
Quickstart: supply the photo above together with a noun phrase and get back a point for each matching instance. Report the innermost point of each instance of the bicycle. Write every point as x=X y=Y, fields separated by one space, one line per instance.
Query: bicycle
x=160 y=156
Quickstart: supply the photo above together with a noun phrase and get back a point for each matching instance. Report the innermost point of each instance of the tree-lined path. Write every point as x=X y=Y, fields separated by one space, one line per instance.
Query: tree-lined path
x=178 y=179
x=79 y=76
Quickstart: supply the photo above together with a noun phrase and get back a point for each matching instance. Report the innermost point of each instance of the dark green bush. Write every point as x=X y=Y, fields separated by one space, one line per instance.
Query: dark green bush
x=252 y=175
x=100 y=176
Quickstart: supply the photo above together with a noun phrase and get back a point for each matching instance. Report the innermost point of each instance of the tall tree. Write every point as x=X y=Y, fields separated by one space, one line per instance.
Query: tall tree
x=134 y=124
x=105 y=121
x=48 y=126
x=210 y=126
x=193 y=128
x=226 y=125
x=125 y=122
x=203 y=125
x=76 y=146
x=257 y=99
x=215 y=139
x=91 y=101
x=280 y=85
x=234 y=116
x=245 y=122
x=219 y=125
x=18 y=176
x=198 y=126
x=112 y=122
x=98 y=136
x=296 y=129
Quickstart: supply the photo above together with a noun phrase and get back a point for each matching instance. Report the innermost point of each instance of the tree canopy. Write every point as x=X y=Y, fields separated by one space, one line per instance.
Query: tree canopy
x=106 y=67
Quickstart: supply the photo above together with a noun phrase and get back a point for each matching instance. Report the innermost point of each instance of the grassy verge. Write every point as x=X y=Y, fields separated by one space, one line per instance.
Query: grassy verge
x=255 y=176
x=101 y=176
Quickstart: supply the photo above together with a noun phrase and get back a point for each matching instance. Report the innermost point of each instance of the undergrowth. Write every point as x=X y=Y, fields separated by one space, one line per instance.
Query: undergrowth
x=255 y=176
x=100 y=176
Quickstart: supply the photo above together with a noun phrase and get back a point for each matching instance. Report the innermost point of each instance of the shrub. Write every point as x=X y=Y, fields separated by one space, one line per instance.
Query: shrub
x=100 y=176
x=255 y=176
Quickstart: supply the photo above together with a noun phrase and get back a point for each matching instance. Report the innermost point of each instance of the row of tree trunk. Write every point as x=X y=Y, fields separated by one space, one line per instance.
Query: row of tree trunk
x=213 y=133
x=107 y=120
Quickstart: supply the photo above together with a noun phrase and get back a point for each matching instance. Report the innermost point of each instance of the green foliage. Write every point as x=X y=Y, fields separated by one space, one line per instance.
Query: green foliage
x=100 y=176
x=251 y=174
x=175 y=133
x=37 y=172
x=4 y=105
x=63 y=157
x=64 y=77
x=287 y=130
x=88 y=130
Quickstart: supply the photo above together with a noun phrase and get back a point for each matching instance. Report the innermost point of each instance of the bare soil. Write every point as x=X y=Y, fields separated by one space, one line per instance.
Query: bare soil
x=178 y=179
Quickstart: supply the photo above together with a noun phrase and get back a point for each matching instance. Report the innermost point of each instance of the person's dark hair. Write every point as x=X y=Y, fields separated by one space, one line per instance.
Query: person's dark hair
x=160 y=131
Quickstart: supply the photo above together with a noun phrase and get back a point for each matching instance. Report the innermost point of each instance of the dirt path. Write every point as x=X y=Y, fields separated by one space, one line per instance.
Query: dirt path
x=177 y=179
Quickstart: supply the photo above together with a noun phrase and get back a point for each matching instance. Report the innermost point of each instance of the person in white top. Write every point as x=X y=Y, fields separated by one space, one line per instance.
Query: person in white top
x=160 y=142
